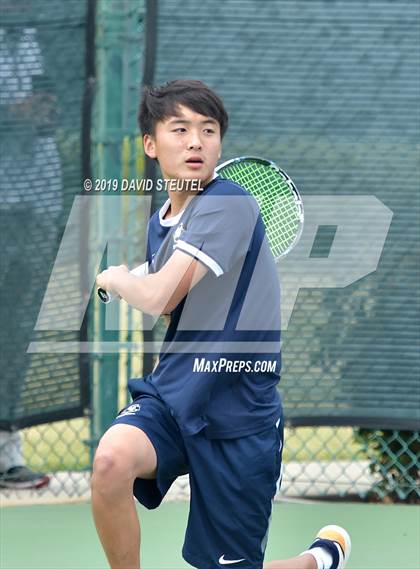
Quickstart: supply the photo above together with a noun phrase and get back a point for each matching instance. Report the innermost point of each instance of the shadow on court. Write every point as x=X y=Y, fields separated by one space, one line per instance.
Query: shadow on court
x=63 y=536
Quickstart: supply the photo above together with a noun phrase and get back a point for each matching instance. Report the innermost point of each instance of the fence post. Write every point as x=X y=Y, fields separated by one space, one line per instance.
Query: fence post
x=107 y=137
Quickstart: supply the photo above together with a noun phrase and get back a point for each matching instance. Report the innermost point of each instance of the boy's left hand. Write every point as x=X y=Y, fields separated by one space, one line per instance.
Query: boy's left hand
x=108 y=279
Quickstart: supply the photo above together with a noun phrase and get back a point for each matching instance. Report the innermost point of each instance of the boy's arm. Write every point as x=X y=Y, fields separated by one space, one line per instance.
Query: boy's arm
x=157 y=293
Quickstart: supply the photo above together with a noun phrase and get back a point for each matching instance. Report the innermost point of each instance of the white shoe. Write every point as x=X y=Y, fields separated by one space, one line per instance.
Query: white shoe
x=340 y=541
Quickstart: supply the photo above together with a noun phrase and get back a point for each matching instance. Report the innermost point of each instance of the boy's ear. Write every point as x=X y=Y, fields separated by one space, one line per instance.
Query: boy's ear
x=149 y=146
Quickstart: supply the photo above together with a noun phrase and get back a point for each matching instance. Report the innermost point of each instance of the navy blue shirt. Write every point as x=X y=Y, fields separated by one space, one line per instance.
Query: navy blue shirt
x=220 y=360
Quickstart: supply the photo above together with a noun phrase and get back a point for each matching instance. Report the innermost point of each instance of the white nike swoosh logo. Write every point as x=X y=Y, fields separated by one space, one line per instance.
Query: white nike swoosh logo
x=224 y=561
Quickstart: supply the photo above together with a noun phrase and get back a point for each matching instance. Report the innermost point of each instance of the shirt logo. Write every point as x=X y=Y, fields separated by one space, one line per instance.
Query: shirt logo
x=130 y=410
x=178 y=232
x=224 y=561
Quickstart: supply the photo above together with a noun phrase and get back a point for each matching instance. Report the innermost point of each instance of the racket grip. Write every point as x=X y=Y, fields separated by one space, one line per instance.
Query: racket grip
x=107 y=297
x=104 y=296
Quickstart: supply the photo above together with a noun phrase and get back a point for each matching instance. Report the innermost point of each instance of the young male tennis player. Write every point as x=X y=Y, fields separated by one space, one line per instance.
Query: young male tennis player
x=210 y=408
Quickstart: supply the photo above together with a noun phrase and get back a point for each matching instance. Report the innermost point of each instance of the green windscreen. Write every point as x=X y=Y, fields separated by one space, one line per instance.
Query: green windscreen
x=42 y=86
x=329 y=91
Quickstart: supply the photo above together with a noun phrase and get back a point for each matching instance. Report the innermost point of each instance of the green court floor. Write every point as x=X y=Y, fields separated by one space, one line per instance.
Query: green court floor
x=63 y=536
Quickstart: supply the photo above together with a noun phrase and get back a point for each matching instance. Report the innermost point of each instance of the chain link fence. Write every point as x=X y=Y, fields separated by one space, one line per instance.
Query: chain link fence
x=322 y=462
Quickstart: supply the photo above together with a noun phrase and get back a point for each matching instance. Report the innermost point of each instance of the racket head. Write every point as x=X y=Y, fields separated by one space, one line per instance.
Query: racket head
x=278 y=198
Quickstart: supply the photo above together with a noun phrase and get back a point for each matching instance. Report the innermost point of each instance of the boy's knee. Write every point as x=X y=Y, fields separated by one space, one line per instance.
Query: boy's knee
x=105 y=464
x=117 y=464
x=109 y=472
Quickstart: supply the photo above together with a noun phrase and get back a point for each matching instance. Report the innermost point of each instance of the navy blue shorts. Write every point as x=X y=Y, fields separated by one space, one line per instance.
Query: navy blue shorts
x=233 y=483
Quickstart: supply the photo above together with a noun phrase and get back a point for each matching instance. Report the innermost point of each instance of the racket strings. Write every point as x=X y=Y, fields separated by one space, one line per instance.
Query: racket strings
x=276 y=199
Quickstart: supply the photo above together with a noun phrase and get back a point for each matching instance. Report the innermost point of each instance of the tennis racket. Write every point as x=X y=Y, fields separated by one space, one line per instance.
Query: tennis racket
x=279 y=201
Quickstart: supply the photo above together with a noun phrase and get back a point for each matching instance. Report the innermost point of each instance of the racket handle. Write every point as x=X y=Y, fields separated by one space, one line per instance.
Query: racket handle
x=107 y=297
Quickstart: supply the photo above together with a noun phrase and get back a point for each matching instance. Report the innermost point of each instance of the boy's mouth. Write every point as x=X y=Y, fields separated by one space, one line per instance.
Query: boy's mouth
x=194 y=160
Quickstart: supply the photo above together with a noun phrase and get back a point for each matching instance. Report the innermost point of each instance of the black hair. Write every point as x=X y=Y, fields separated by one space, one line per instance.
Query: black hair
x=160 y=103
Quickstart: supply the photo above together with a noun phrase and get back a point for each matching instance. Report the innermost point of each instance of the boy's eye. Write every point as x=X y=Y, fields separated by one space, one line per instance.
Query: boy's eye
x=209 y=130
x=180 y=129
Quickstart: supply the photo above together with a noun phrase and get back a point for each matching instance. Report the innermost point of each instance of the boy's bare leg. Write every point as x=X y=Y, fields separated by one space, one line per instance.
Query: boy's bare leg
x=124 y=453
x=305 y=561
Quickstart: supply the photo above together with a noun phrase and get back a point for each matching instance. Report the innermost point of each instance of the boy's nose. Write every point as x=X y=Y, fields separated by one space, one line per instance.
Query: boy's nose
x=194 y=143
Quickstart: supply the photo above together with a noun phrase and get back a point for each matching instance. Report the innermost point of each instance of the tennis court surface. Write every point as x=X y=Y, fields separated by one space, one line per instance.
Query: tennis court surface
x=63 y=536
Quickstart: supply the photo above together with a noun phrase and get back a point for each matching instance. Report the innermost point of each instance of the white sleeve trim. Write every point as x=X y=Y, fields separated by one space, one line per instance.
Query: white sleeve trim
x=141 y=270
x=205 y=259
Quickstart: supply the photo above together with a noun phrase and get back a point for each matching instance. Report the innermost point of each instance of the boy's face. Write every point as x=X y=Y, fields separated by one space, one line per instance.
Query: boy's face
x=187 y=146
